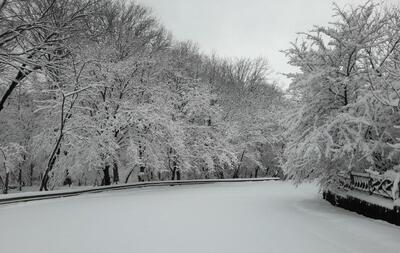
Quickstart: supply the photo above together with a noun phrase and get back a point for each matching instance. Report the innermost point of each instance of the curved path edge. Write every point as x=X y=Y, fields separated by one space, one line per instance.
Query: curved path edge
x=35 y=196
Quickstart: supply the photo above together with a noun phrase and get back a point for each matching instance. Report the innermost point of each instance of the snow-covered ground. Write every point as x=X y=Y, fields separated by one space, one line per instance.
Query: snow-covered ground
x=226 y=217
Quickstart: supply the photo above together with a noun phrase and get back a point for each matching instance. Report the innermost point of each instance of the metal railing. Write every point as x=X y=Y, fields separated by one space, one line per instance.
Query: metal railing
x=379 y=185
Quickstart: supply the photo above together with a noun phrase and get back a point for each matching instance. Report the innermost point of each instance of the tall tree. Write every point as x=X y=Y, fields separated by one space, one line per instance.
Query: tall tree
x=342 y=125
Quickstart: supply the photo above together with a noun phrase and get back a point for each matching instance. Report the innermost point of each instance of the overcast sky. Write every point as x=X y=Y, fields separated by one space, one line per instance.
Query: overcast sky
x=245 y=28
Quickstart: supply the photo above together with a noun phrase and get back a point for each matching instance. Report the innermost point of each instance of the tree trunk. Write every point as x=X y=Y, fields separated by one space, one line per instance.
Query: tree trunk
x=128 y=176
x=115 y=173
x=45 y=180
x=20 y=179
x=20 y=76
x=256 y=172
x=56 y=150
x=106 y=177
x=5 y=191
x=50 y=165
x=31 y=175
x=173 y=172
x=1 y=181
x=236 y=173
x=178 y=175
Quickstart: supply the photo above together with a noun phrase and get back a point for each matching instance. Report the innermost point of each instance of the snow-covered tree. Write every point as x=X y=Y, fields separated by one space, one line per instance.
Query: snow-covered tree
x=341 y=121
x=113 y=97
x=11 y=157
x=37 y=36
x=251 y=107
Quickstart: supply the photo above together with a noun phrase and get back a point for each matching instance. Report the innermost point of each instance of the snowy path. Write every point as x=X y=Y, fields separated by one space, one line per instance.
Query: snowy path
x=227 y=217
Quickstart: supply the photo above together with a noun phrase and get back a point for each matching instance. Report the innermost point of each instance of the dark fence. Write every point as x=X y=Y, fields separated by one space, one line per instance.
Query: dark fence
x=380 y=185
x=354 y=190
x=9 y=199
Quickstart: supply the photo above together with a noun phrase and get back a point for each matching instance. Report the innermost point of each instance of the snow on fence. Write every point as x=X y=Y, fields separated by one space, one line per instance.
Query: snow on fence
x=386 y=186
x=33 y=196
x=373 y=195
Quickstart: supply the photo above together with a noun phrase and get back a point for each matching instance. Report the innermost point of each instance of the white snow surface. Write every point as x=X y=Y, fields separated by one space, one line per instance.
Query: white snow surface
x=224 y=217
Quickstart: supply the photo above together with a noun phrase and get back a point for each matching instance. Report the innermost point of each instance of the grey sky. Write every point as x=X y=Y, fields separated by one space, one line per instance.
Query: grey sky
x=251 y=28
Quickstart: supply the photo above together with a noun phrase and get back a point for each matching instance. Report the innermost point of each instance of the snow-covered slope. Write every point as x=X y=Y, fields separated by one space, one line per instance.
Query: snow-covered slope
x=225 y=217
